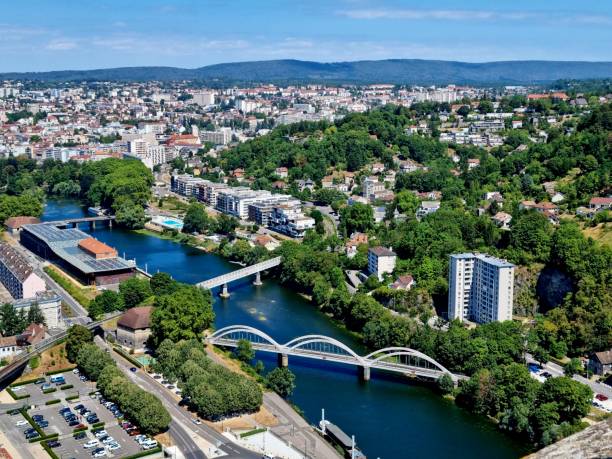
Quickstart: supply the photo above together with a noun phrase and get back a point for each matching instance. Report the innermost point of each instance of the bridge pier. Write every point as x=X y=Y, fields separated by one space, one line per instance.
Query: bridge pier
x=283 y=360
x=257 y=282
x=92 y=224
x=224 y=292
x=364 y=373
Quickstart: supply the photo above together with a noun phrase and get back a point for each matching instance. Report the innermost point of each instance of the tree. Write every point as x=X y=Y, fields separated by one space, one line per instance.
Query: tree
x=162 y=284
x=572 y=367
x=244 y=351
x=11 y=322
x=92 y=360
x=134 y=291
x=130 y=215
x=531 y=233
x=357 y=217
x=196 y=220
x=107 y=301
x=181 y=315
x=35 y=315
x=572 y=397
x=281 y=381
x=445 y=384
x=541 y=355
x=78 y=336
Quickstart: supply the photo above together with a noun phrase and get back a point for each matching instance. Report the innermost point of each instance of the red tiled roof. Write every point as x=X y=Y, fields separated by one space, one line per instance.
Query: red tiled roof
x=136 y=318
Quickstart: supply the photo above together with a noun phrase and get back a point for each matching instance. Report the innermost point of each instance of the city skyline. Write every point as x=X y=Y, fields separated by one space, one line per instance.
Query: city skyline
x=190 y=34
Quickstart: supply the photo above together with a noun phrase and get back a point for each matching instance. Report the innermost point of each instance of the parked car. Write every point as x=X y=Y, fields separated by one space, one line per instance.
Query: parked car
x=31 y=435
x=108 y=440
x=38 y=417
x=80 y=435
x=53 y=444
x=100 y=433
x=113 y=446
x=90 y=444
x=99 y=453
x=73 y=423
x=40 y=381
x=133 y=369
x=23 y=422
x=601 y=397
x=43 y=424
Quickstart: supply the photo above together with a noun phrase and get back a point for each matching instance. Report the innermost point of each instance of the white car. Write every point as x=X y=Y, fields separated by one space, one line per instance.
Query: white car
x=21 y=423
x=108 y=440
x=90 y=444
x=100 y=453
x=101 y=433
x=149 y=445
x=113 y=446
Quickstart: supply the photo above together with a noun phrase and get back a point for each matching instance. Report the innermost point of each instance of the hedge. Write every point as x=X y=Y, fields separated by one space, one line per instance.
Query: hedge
x=53 y=402
x=49 y=391
x=128 y=357
x=35 y=426
x=49 y=451
x=24 y=382
x=145 y=453
x=253 y=432
x=72 y=397
x=15 y=396
x=66 y=387
x=97 y=425
x=62 y=370
x=80 y=429
x=54 y=436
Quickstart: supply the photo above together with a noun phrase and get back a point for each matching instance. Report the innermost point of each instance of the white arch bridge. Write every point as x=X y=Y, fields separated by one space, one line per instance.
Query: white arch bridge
x=402 y=360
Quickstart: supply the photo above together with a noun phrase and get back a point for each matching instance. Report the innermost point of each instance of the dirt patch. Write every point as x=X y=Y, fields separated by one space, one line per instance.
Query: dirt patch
x=602 y=233
x=263 y=417
x=51 y=360
x=164 y=439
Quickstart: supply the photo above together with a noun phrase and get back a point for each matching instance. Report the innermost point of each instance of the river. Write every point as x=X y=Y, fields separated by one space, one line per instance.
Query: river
x=390 y=417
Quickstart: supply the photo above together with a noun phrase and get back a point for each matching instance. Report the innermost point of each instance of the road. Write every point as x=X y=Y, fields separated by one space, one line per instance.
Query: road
x=182 y=429
x=557 y=370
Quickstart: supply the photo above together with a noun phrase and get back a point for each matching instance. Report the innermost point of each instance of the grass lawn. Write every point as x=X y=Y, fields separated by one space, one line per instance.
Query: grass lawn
x=602 y=233
x=80 y=293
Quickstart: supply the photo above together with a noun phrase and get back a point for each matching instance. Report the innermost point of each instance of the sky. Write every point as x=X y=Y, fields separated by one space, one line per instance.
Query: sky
x=41 y=35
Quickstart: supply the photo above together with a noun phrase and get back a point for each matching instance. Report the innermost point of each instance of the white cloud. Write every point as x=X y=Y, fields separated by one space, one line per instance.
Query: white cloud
x=472 y=15
x=61 y=45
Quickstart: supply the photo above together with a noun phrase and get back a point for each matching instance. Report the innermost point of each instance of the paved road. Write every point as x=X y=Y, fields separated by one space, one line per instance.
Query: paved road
x=182 y=429
x=557 y=370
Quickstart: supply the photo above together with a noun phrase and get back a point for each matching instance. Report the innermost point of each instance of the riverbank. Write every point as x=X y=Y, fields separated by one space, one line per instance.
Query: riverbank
x=286 y=423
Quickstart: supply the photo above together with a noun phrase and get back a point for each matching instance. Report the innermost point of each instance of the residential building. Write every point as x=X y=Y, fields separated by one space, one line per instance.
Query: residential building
x=381 y=261
x=599 y=204
x=221 y=137
x=356 y=240
x=481 y=288
x=14 y=224
x=50 y=305
x=288 y=219
x=426 y=208
x=8 y=346
x=600 y=363
x=17 y=275
x=371 y=187
x=403 y=283
x=203 y=98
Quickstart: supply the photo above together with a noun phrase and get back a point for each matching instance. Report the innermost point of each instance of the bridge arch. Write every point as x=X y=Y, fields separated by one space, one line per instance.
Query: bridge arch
x=306 y=340
x=226 y=331
x=382 y=354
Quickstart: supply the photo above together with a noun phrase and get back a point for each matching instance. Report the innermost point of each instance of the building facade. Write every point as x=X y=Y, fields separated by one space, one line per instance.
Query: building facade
x=481 y=288
x=17 y=276
x=381 y=261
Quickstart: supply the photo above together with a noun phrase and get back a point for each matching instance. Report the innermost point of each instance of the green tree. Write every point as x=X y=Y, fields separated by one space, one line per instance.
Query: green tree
x=196 y=220
x=574 y=366
x=107 y=301
x=162 y=284
x=445 y=384
x=572 y=397
x=357 y=217
x=35 y=315
x=531 y=234
x=281 y=381
x=244 y=351
x=129 y=214
x=78 y=336
x=183 y=314
x=92 y=360
x=134 y=291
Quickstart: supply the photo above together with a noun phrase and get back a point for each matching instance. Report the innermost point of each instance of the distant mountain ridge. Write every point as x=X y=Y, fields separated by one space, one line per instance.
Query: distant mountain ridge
x=396 y=71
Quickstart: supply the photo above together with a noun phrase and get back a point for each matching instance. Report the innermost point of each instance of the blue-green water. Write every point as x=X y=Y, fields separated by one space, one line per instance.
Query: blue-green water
x=390 y=417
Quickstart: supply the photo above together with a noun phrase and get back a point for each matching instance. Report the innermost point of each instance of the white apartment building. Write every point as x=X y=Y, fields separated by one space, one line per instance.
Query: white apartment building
x=235 y=201
x=371 y=187
x=289 y=219
x=203 y=98
x=481 y=288
x=185 y=185
x=221 y=137
x=381 y=261
x=208 y=191
x=50 y=306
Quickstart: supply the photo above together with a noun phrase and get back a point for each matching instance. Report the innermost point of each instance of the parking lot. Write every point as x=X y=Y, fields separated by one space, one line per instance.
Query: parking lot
x=69 y=446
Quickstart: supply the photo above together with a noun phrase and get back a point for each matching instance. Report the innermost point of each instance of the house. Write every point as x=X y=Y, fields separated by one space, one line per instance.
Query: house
x=32 y=335
x=542 y=207
x=134 y=328
x=599 y=204
x=14 y=224
x=473 y=163
x=266 y=241
x=404 y=282
x=377 y=168
x=282 y=172
x=8 y=346
x=427 y=207
x=356 y=240
x=601 y=362
x=381 y=261
x=493 y=196
x=502 y=220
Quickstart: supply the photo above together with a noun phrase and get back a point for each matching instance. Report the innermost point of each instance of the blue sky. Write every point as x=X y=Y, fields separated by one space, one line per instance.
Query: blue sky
x=38 y=35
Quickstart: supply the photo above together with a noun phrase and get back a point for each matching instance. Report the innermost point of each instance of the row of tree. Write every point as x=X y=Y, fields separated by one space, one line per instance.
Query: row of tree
x=213 y=391
x=14 y=322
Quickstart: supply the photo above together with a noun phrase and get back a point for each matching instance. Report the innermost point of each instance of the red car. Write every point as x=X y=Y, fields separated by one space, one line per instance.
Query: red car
x=601 y=397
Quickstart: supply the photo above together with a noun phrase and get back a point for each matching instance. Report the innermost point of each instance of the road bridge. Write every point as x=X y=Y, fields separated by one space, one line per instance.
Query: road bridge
x=225 y=279
x=402 y=360
x=22 y=359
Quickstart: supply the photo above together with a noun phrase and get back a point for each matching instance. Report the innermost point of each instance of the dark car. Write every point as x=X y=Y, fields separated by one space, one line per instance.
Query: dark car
x=31 y=435
x=53 y=444
x=38 y=417
x=133 y=369
x=43 y=424
x=29 y=431
x=73 y=423
x=80 y=435
x=79 y=406
x=40 y=381
x=93 y=420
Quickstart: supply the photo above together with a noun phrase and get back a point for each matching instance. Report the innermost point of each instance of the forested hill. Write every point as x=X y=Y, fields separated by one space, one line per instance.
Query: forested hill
x=398 y=71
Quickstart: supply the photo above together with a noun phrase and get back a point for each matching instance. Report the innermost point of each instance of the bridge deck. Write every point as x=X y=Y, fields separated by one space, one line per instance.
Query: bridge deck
x=240 y=273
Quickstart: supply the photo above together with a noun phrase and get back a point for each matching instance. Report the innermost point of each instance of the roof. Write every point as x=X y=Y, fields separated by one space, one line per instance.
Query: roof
x=17 y=222
x=14 y=262
x=335 y=432
x=600 y=201
x=136 y=318
x=382 y=252
x=8 y=341
x=95 y=246
x=485 y=258
x=604 y=357
x=65 y=244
